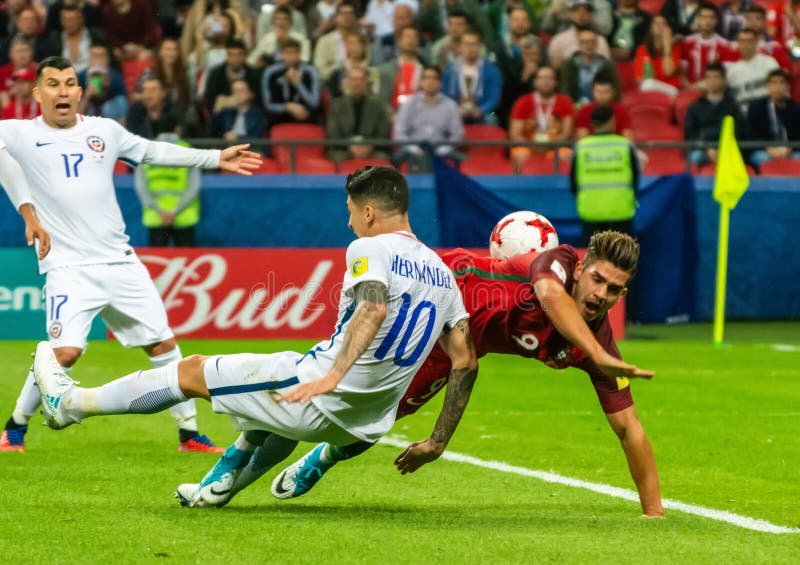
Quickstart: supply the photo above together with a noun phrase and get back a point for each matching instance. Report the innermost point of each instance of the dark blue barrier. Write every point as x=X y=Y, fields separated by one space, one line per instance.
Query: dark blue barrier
x=309 y=211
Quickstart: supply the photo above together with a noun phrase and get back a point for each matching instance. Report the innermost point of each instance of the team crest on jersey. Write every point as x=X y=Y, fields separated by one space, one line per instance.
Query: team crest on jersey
x=359 y=266
x=55 y=330
x=96 y=143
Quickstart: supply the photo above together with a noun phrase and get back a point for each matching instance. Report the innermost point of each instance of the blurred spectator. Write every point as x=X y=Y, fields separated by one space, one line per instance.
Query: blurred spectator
x=322 y=18
x=22 y=105
x=170 y=202
x=170 y=69
x=446 y=48
x=399 y=79
x=657 y=63
x=378 y=19
x=130 y=27
x=266 y=49
x=630 y=27
x=356 y=48
x=103 y=87
x=520 y=80
x=357 y=116
x=13 y=8
x=578 y=72
x=241 y=121
x=74 y=39
x=704 y=116
x=265 y=22
x=428 y=115
x=209 y=25
x=21 y=57
x=473 y=82
x=385 y=48
x=564 y=44
x=776 y=117
x=172 y=16
x=218 y=87
x=542 y=116
x=89 y=8
x=731 y=18
x=290 y=88
x=500 y=13
x=330 y=52
x=682 y=14
x=783 y=24
x=27 y=27
x=509 y=47
x=154 y=113
x=703 y=47
x=747 y=78
x=755 y=18
x=560 y=18
x=433 y=18
x=604 y=93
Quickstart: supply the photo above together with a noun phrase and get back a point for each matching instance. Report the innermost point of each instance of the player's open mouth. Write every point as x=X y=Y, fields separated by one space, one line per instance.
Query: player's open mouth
x=62 y=106
x=591 y=307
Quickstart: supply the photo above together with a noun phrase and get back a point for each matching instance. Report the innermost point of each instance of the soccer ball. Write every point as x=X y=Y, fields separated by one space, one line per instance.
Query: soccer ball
x=522 y=232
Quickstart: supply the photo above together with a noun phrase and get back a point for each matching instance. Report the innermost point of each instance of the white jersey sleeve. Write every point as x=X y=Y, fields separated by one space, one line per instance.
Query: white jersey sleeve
x=13 y=179
x=131 y=147
x=367 y=260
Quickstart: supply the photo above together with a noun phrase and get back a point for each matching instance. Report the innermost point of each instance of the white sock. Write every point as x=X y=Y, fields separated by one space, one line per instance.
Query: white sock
x=28 y=401
x=143 y=392
x=185 y=413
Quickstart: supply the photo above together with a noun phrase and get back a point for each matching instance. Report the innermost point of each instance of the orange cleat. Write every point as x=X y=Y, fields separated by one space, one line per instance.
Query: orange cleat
x=200 y=444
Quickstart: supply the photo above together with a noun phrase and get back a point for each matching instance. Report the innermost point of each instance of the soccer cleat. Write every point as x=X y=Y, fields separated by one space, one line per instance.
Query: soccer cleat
x=200 y=444
x=301 y=476
x=187 y=494
x=13 y=440
x=53 y=383
x=216 y=488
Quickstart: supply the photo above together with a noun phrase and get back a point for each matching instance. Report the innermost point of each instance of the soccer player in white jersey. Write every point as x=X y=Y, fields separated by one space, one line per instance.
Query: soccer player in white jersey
x=397 y=300
x=68 y=160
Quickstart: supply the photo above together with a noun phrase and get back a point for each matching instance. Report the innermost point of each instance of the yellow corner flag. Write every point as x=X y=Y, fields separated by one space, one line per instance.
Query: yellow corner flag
x=730 y=183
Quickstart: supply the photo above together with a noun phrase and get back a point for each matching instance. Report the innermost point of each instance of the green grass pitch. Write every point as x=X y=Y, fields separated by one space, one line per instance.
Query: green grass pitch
x=724 y=423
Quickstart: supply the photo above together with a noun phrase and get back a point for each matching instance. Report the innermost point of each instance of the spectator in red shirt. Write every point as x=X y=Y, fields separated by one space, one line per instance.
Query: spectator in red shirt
x=783 y=22
x=541 y=116
x=756 y=19
x=21 y=55
x=398 y=80
x=704 y=47
x=130 y=27
x=657 y=62
x=604 y=93
x=22 y=105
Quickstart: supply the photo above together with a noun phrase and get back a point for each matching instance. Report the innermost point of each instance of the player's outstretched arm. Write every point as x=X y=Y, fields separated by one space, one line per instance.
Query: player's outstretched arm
x=234 y=159
x=563 y=313
x=458 y=345
x=370 y=298
x=16 y=186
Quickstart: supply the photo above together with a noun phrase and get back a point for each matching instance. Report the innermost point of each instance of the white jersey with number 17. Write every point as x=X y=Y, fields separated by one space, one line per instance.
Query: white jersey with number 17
x=70 y=172
x=423 y=301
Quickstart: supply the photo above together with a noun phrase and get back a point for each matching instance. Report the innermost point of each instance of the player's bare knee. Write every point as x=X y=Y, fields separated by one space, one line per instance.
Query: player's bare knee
x=160 y=348
x=67 y=356
x=191 y=377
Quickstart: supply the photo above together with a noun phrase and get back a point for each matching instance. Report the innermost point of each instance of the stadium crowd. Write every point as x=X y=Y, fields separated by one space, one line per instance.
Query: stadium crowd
x=444 y=70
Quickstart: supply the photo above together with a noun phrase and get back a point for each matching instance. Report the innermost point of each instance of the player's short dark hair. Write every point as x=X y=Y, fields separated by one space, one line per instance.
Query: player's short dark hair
x=716 y=67
x=778 y=73
x=56 y=62
x=619 y=249
x=383 y=186
x=601 y=115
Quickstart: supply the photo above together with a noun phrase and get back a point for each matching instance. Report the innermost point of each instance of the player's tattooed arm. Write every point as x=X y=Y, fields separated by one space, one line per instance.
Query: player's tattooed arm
x=370 y=298
x=457 y=343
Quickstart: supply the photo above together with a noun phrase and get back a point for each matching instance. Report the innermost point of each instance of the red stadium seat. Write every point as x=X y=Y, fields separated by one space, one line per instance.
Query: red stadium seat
x=646 y=98
x=541 y=166
x=683 y=100
x=476 y=132
x=650 y=117
x=781 y=168
x=665 y=161
x=487 y=167
x=315 y=166
x=132 y=69
x=657 y=132
x=302 y=152
x=627 y=76
x=352 y=165
x=651 y=6
x=268 y=167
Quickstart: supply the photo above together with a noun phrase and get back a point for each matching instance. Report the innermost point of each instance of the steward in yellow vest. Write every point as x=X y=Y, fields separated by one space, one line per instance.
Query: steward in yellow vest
x=170 y=200
x=604 y=177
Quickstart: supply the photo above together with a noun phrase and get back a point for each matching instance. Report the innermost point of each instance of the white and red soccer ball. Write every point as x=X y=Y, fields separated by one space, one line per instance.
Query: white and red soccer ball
x=522 y=232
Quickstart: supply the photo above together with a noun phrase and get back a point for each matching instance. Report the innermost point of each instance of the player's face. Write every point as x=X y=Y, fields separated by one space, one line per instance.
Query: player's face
x=359 y=218
x=598 y=287
x=58 y=93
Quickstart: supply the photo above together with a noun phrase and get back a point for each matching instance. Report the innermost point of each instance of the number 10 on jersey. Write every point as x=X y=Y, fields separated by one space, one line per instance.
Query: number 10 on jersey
x=424 y=307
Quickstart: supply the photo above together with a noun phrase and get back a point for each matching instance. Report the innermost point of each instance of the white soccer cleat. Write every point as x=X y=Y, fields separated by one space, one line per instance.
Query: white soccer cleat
x=53 y=383
x=188 y=494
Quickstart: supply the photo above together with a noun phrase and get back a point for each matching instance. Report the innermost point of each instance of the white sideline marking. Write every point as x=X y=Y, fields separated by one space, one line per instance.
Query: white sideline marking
x=785 y=347
x=616 y=492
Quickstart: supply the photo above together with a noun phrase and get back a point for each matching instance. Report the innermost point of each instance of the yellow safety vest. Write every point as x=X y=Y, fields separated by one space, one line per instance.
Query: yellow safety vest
x=604 y=177
x=167 y=185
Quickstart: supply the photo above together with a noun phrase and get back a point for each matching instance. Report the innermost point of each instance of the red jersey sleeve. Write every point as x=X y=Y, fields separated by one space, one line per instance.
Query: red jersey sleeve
x=523 y=108
x=557 y=264
x=614 y=394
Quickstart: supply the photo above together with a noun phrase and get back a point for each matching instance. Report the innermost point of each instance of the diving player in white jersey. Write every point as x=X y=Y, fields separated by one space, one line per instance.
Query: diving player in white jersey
x=397 y=300
x=68 y=160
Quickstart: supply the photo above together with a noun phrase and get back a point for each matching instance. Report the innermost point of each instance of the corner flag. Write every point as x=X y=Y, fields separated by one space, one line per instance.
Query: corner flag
x=730 y=183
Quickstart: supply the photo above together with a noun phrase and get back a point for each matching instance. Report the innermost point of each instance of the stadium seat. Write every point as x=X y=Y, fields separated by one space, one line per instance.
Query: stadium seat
x=683 y=100
x=268 y=167
x=627 y=76
x=352 y=165
x=781 y=168
x=665 y=161
x=487 y=167
x=132 y=69
x=542 y=166
x=302 y=152
x=657 y=132
x=476 y=132
x=648 y=98
x=651 y=117
x=314 y=166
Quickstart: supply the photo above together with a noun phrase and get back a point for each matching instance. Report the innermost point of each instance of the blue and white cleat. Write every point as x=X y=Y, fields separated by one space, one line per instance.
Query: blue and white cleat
x=301 y=476
x=53 y=384
x=188 y=494
x=216 y=488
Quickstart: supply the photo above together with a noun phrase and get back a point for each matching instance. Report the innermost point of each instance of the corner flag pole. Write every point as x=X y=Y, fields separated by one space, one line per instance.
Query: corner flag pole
x=729 y=185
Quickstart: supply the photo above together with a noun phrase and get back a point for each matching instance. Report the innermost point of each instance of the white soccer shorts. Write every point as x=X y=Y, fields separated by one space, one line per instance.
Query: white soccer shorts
x=121 y=293
x=245 y=386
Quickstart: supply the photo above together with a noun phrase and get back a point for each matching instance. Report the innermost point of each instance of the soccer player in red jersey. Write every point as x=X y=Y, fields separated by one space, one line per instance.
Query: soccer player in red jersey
x=549 y=306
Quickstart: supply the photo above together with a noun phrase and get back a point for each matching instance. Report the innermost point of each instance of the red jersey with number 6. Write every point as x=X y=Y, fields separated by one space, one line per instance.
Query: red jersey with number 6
x=507 y=317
